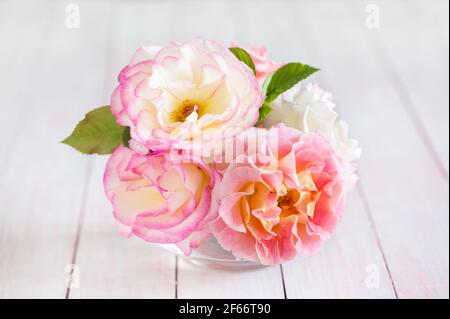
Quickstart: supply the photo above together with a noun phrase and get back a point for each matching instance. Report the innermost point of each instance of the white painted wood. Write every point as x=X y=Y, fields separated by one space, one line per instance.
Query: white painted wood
x=415 y=53
x=17 y=59
x=310 y=277
x=215 y=20
x=112 y=266
x=406 y=192
x=350 y=265
x=201 y=281
x=42 y=180
x=47 y=191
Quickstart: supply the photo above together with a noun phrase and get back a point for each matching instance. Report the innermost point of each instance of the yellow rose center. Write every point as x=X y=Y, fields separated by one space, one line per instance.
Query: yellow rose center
x=185 y=109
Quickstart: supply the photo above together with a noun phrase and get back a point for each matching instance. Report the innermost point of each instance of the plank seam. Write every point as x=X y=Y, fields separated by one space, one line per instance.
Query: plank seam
x=283 y=282
x=81 y=214
x=365 y=202
x=362 y=195
x=91 y=159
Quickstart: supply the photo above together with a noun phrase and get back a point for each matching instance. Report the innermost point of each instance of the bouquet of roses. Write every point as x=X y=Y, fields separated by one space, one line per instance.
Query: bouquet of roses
x=215 y=141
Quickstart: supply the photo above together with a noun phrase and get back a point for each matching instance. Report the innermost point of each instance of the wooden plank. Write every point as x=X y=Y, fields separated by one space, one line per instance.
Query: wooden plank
x=110 y=265
x=42 y=182
x=350 y=265
x=413 y=45
x=195 y=281
x=202 y=281
x=16 y=62
x=38 y=226
x=340 y=269
x=404 y=188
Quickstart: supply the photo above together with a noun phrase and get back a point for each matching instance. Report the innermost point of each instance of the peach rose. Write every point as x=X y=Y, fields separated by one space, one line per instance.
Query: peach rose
x=160 y=197
x=284 y=201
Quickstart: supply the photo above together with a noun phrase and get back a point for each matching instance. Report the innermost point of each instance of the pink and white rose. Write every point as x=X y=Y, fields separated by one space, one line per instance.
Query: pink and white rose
x=161 y=197
x=185 y=93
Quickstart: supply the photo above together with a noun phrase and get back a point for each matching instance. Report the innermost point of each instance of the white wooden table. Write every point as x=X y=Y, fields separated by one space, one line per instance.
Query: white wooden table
x=391 y=84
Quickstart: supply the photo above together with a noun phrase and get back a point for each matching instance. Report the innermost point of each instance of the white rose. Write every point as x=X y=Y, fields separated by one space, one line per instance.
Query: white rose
x=311 y=109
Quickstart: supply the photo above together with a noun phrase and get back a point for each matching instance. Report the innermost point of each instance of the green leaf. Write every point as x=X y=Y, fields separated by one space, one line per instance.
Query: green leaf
x=97 y=133
x=286 y=77
x=266 y=84
x=126 y=136
x=243 y=56
x=264 y=111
